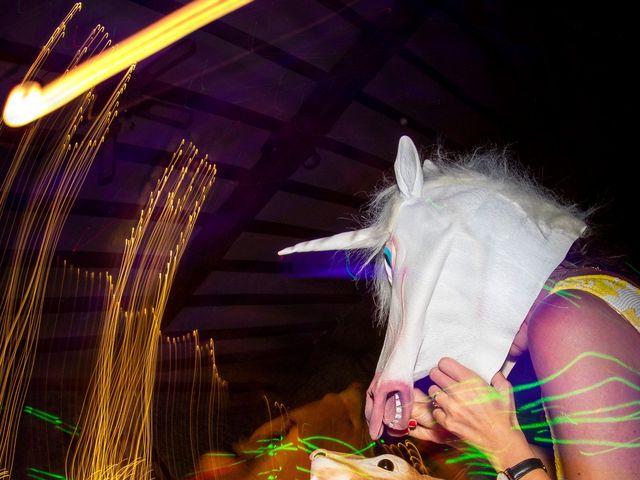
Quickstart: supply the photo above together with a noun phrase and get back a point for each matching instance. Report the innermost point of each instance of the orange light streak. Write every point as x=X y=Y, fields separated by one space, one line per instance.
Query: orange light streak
x=30 y=101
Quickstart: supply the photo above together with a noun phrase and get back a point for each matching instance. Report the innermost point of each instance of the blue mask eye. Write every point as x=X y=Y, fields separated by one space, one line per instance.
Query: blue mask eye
x=386 y=251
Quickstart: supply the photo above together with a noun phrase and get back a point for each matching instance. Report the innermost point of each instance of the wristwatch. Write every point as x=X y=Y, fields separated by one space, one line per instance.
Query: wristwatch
x=521 y=469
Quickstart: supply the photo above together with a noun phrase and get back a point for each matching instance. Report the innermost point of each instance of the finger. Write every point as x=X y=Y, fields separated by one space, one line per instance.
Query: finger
x=455 y=370
x=433 y=390
x=460 y=390
x=440 y=416
x=419 y=396
x=421 y=404
x=421 y=408
x=439 y=435
x=438 y=398
x=422 y=433
x=503 y=386
x=500 y=383
x=440 y=378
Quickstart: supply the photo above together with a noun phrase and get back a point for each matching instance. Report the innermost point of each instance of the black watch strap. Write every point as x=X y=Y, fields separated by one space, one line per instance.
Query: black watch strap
x=521 y=469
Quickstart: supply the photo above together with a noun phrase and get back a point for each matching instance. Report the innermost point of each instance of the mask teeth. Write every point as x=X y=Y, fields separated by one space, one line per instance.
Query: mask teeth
x=398 y=415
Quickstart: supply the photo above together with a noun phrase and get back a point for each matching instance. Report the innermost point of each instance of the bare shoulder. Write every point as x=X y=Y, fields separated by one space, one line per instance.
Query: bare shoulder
x=562 y=327
x=575 y=308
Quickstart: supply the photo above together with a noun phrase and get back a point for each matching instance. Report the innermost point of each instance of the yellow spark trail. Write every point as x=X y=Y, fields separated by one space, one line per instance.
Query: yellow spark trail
x=50 y=180
x=187 y=420
x=116 y=420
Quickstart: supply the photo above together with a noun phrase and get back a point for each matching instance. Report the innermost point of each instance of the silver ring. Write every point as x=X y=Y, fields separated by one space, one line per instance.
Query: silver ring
x=434 y=401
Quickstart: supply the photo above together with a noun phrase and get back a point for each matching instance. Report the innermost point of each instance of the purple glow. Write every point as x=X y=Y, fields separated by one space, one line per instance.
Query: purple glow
x=333 y=264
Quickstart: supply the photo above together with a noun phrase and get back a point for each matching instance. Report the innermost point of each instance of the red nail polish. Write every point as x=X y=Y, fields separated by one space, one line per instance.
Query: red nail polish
x=413 y=424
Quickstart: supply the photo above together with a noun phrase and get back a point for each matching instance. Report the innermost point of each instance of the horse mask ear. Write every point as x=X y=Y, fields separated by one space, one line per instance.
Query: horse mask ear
x=408 y=169
x=409 y=177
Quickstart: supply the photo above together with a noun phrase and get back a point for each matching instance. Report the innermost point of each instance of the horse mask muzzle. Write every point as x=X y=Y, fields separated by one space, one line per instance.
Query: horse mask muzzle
x=469 y=257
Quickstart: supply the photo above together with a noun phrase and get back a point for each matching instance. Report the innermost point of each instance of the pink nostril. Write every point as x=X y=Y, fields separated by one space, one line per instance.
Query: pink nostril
x=317 y=453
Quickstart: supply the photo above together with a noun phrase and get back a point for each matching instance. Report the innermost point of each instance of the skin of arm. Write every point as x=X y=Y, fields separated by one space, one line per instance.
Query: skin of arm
x=600 y=386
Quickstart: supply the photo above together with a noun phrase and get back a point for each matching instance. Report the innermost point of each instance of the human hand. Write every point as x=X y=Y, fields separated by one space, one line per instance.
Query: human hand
x=480 y=414
x=426 y=426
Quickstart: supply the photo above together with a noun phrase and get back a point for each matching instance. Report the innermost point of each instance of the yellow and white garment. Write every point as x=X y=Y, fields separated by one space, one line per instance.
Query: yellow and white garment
x=619 y=294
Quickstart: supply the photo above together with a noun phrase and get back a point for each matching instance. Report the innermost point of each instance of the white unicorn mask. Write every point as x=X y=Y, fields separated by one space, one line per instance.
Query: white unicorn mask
x=467 y=258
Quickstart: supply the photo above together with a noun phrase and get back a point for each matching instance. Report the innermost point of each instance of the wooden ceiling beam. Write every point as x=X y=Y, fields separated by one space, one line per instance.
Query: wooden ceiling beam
x=271 y=53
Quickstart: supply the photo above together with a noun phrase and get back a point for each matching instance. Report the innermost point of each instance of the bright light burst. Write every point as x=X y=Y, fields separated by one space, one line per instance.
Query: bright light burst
x=30 y=101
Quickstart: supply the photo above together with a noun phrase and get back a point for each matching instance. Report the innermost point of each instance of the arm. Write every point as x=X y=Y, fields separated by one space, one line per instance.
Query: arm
x=585 y=346
x=480 y=414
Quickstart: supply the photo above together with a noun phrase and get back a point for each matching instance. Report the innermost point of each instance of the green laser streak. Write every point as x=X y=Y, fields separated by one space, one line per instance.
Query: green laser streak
x=579 y=391
x=607 y=409
x=599 y=443
x=52 y=419
x=490 y=395
x=464 y=456
x=602 y=356
x=568 y=419
x=73 y=432
x=479 y=464
x=270 y=450
x=31 y=471
x=307 y=442
x=42 y=415
x=567 y=295
x=606 y=450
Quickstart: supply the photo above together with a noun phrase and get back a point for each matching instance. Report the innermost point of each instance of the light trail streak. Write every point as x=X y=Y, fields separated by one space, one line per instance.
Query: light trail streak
x=53 y=178
x=39 y=474
x=179 y=358
x=52 y=419
x=29 y=100
x=116 y=421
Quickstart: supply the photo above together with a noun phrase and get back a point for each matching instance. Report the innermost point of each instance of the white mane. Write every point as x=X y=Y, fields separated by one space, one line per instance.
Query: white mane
x=491 y=169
